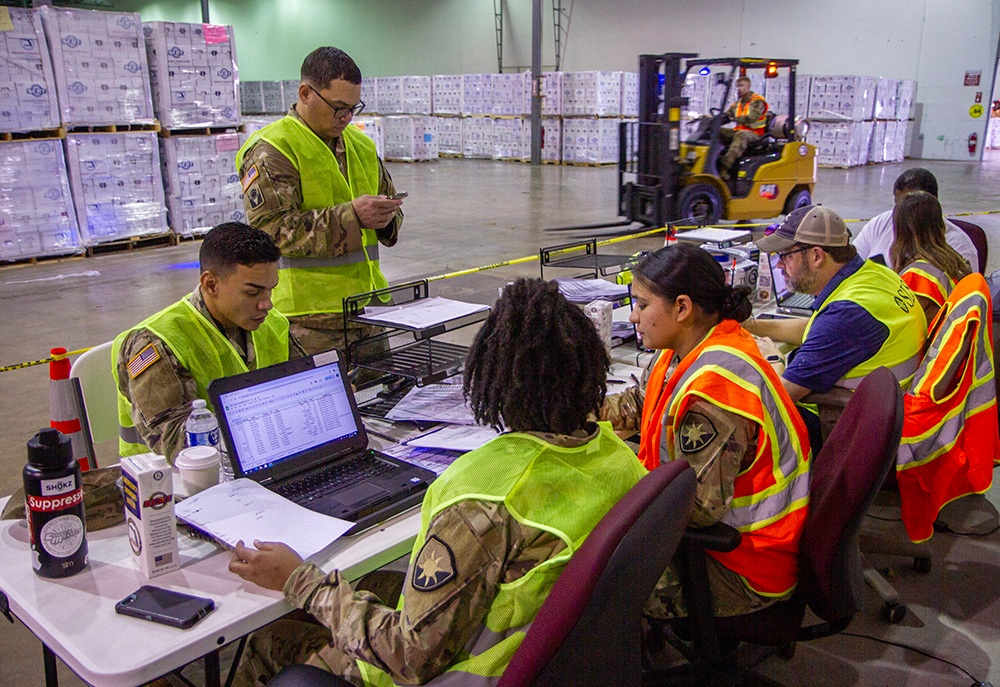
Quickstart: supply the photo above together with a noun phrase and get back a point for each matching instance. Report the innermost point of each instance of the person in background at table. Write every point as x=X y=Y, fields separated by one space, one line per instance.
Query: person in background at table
x=921 y=254
x=876 y=237
x=497 y=527
x=314 y=182
x=224 y=327
x=715 y=402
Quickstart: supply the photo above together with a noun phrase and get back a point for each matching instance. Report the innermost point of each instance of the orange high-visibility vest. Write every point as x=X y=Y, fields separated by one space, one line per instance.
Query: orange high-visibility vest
x=926 y=280
x=771 y=496
x=742 y=109
x=950 y=440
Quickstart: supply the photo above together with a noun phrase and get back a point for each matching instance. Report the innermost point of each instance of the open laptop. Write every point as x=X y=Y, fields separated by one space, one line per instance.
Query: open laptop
x=295 y=428
x=788 y=302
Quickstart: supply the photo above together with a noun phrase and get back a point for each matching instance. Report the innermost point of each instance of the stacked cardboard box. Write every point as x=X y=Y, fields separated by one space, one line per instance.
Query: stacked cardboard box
x=27 y=84
x=369 y=95
x=289 y=93
x=630 y=94
x=251 y=97
x=511 y=94
x=117 y=185
x=372 y=128
x=776 y=94
x=593 y=141
x=477 y=94
x=390 y=94
x=446 y=94
x=410 y=138
x=36 y=212
x=416 y=95
x=509 y=139
x=846 y=98
x=888 y=141
x=885 y=98
x=477 y=137
x=905 y=97
x=552 y=147
x=551 y=94
x=202 y=187
x=274 y=99
x=100 y=67
x=841 y=144
x=450 y=131
x=597 y=94
x=192 y=70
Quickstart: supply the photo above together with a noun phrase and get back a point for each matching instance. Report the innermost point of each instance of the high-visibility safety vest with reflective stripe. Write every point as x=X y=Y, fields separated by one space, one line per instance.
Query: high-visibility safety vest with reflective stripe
x=926 y=280
x=202 y=350
x=950 y=437
x=320 y=284
x=771 y=496
x=743 y=109
x=564 y=491
x=883 y=294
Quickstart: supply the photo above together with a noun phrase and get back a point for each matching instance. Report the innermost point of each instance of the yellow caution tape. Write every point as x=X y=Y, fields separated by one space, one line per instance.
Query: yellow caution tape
x=8 y=368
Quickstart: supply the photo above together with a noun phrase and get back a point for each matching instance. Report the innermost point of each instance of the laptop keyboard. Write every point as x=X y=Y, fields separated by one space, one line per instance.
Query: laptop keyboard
x=799 y=300
x=333 y=478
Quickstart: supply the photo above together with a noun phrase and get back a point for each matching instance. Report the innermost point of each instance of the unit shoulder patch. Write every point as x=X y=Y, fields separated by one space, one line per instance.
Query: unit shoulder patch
x=141 y=361
x=435 y=565
x=255 y=198
x=697 y=432
x=250 y=177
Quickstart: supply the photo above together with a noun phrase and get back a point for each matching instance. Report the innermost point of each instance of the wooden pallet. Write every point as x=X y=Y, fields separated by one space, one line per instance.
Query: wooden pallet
x=167 y=238
x=826 y=166
x=453 y=155
x=590 y=164
x=399 y=159
x=111 y=128
x=37 y=135
x=202 y=131
x=35 y=259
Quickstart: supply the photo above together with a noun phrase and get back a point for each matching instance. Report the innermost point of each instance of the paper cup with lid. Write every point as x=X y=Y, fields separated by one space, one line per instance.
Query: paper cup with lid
x=199 y=468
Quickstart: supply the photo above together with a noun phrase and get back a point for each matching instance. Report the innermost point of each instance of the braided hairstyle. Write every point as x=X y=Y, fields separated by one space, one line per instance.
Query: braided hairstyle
x=537 y=363
x=690 y=270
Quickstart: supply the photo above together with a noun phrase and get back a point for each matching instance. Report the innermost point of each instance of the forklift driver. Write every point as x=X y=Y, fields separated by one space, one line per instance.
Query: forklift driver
x=749 y=112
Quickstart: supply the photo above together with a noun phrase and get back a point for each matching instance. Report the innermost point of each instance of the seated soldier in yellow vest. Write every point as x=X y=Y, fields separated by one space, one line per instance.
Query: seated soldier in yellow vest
x=864 y=315
x=314 y=182
x=224 y=327
x=497 y=526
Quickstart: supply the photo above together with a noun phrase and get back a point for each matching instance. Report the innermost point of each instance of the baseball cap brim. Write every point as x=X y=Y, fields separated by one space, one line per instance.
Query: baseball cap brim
x=774 y=242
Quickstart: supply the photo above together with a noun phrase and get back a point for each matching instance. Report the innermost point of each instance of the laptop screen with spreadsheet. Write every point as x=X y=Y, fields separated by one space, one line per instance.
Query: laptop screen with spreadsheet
x=276 y=420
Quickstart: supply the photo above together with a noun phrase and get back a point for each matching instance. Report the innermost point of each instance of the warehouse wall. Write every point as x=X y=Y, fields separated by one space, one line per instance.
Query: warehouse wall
x=932 y=41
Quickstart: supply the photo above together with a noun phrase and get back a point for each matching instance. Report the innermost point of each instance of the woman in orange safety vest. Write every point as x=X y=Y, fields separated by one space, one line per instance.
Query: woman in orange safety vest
x=714 y=401
x=921 y=254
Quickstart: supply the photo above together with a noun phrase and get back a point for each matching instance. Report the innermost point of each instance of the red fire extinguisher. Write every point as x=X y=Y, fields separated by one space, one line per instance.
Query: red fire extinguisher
x=973 y=140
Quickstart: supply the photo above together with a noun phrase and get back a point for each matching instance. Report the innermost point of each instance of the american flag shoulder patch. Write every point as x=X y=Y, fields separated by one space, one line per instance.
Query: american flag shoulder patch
x=142 y=360
x=249 y=177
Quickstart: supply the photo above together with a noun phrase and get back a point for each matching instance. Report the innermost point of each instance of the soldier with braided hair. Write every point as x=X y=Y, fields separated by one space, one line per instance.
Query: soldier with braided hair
x=497 y=527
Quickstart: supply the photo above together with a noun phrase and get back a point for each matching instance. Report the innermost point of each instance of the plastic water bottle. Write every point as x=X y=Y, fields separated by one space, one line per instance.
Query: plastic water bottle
x=202 y=429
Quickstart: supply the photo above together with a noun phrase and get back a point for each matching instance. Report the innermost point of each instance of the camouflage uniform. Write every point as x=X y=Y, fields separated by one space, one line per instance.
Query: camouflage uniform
x=272 y=203
x=739 y=139
x=433 y=628
x=161 y=394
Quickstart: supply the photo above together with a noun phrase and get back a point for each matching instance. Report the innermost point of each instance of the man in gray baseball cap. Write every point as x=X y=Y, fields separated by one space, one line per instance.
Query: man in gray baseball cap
x=864 y=316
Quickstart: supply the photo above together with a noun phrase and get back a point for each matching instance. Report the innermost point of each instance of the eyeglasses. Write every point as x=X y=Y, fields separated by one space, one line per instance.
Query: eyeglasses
x=782 y=256
x=341 y=112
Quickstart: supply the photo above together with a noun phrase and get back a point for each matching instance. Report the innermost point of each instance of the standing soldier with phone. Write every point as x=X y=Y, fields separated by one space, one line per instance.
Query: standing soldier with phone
x=314 y=182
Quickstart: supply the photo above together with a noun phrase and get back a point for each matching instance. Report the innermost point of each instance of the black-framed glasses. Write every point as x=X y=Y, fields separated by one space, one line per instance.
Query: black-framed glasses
x=782 y=256
x=341 y=112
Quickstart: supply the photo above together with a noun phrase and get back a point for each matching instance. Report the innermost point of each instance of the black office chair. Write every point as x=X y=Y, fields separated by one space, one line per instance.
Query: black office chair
x=588 y=632
x=978 y=238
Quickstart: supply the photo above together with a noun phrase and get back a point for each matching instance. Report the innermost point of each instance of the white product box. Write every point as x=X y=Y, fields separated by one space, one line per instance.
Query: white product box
x=450 y=130
x=117 y=185
x=599 y=312
x=416 y=94
x=551 y=93
x=251 y=98
x=511 y=94
x=593 y=141
x=36 y=210
x=202 y=186
x=289 y=93
x=274 y=99
x=410 y=138
x=630 y=94
x=372 y=128
x=477 y=137
x=27 y=83
x=876 y=151
x=390 y=94
x=199 y=61
x=148 y=488
x=552 y=139
x=905 y=97
x=477 y=94
x=447 y=94
x=510 y=140
x=88 y=49
x=592 y=93
x=885 y=98
x=369 y=96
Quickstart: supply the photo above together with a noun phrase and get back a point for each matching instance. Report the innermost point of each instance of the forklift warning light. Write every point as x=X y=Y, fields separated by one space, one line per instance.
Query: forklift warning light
x=772 y=71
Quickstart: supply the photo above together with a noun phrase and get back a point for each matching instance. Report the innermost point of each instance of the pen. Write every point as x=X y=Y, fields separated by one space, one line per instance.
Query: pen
x=634 y=378
x=616 y=381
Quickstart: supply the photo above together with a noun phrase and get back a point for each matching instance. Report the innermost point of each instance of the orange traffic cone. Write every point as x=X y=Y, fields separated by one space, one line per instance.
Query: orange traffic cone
x=67 y=409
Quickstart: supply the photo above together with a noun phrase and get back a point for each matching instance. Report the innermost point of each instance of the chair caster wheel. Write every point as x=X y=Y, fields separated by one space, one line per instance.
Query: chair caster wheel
x=894 y=613
x=787 y=651
x=922 y=565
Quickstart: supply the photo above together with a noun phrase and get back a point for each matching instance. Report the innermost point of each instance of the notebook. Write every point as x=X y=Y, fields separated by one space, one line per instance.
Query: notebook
x=295 y=429
x=788 y=302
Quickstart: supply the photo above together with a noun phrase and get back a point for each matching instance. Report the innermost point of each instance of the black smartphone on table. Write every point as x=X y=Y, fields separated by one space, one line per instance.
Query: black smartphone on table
x=165 y=606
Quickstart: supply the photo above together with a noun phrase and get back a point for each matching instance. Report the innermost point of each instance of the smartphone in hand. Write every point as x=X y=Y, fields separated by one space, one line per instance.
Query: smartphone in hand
x=165 y=606
x=398 y=196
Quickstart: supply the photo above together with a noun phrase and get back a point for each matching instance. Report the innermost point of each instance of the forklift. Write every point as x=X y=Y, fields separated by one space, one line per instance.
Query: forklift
x=668 y=166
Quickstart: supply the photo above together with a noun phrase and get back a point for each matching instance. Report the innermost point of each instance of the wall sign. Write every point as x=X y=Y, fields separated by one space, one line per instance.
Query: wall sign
x=972 y=78
x=976 y=111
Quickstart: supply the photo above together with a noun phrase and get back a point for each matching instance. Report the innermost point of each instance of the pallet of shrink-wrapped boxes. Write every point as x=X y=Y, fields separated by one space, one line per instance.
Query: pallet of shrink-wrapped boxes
x=389 y=90
x=450 y=132
x=202 y=186
x=551 y=88
x=594 y=94
x=477 y=94
x=416 y=92
x=369 y=96
x=590 y=141
x=630 y=94
x=372 y=128
x=117 y=186
x=410 y=138
x=511 y=94
x=251 y=98
x=36 y=211
x=552 y=139
x=27 y=85
x=100 y=66
x=192 y=71
x=447 y=94
x=272 y=94
x=511 y=139
x=477 y=137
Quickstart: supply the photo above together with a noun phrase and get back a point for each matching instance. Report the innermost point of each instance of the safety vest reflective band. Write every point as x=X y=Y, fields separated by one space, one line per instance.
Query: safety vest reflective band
x=315 y=285
x=883 y=294
x=950 y=436
x=564 y=491
x=926 y=280
x=286 y=263
x=743 y=109
x=202 y=350
x=771 y=496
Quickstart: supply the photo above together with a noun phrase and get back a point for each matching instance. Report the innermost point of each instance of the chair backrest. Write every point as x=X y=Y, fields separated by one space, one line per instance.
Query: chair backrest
x=846 y=474
x=99 y=392
x=587 y=632
x=978 y=238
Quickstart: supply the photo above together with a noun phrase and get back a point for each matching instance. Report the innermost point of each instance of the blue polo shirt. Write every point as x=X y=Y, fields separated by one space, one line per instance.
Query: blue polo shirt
x=842 y=337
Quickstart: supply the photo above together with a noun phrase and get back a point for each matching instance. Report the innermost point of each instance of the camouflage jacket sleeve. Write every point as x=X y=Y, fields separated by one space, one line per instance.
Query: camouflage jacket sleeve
x=754 y=113
x=471 y=548
x=273 y=199
x=624 y=409
x=161 y=394
x=718 y=444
